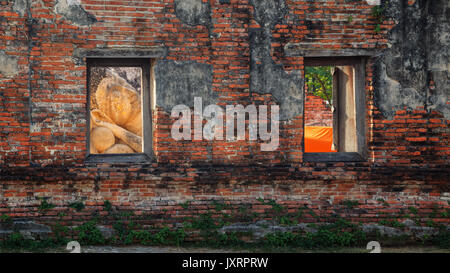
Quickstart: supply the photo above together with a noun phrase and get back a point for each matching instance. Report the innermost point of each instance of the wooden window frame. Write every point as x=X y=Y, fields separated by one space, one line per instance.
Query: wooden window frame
x=359 y=65
x=147 y=85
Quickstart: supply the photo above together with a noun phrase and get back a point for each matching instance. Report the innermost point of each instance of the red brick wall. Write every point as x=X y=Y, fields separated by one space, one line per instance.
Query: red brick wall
x=43 y=118
x=317 y=112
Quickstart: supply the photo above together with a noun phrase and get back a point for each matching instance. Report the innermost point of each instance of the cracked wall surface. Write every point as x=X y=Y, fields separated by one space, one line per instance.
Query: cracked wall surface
x=414 y=71
x=193 y=12
x=181 y=82
x=267 y=77
x=269 y=12
x=21 y=6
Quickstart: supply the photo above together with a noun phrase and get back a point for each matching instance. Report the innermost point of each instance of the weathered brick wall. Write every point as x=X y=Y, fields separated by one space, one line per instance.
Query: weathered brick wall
x=245 y=45
x=317 y=112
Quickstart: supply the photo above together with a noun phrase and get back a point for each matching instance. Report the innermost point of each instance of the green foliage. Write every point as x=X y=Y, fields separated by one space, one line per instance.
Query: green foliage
x=285 y=220
x=61 y=234
x=435 y=211
x=61 y=215
x=45 y=205
x=281 y=239
x=320 y=82
x=378 y=14
x=313 y=214
x=413 y=210
x=107 y=206
x=339 y=234
x=78 y=206
x=208 y=227
x=431 y=223
x=442 y=239
x=277 y=208
x=5 y=218
x=220 y=206
x=122 y=232
x=350 y=204
x=144 y=237
x=228 y=239
x=89 y=234
x=377 y=28
x=164 y=236
x=278 y=212
x=392 y=223
x=205 y=222
x=243 y=210
x=126 y=233
x=168 y=237
x=18 y=241
x=185 y=205
x=300 y=212
x=382 y=201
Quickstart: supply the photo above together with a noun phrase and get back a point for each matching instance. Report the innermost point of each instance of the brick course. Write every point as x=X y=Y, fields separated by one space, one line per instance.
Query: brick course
x=317 y=112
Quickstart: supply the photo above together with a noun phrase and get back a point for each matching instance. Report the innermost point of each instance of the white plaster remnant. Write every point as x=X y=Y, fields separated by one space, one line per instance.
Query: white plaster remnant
x=393 y=97
x=73 y=11
x=373 y=2
x=8 y=65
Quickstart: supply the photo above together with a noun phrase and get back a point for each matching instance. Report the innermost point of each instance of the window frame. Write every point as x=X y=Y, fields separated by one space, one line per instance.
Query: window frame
x=359 y=65
x=147 y=85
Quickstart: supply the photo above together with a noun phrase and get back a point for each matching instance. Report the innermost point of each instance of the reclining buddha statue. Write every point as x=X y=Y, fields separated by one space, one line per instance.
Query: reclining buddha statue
x=116 y=117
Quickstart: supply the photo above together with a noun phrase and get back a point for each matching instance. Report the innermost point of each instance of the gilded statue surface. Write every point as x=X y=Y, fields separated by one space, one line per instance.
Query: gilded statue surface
x=116 y=116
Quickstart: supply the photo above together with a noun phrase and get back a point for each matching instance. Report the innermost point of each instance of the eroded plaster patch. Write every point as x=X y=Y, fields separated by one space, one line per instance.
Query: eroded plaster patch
x=8 y=65
x=193 y=12
x=417 y=58
x=267 y=77
x=269 y=12
x=373 y=2
x=392 y=96
x=180 y=82
x=21 y=6
x=72 y=11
